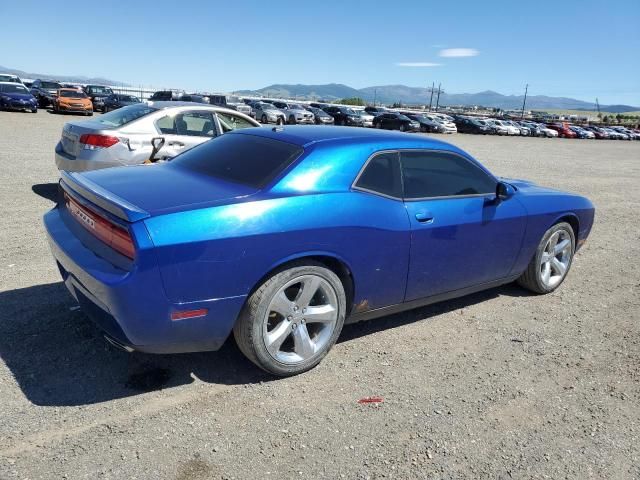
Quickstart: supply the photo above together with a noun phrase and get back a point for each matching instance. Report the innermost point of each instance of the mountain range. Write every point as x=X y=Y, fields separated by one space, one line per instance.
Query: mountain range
x=421 y=96
x=62 y=78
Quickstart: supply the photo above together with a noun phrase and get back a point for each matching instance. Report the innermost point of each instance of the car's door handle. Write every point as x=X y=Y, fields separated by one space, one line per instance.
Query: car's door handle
x=176 y=144
x=424 y=217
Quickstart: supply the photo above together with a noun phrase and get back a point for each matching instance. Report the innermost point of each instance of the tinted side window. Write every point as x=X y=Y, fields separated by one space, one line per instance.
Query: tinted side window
x=246 y=159
x=441 y=174
x=229 y=122
x=195 y=124
x=382 y=175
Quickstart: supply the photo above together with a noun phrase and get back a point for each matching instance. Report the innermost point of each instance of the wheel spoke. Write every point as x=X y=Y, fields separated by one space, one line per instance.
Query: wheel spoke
x=553 y=240
x=546 y=257
x=546 y=273
x=558 y=266
x=323 y=314
x=302 y=343
x=276 y=337
x=562 y=246
x=307 y=291
x=281 y=304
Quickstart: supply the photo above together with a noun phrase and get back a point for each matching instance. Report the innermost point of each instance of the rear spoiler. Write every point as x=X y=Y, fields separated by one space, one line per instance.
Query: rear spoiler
x=103 y=198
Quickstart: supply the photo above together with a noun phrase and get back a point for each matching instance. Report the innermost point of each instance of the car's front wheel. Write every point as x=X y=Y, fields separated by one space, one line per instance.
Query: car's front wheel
x=551 y=263
x=293 y=319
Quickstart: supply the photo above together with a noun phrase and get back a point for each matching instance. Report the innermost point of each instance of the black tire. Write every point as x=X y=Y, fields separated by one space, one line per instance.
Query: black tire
x=263 y=119
x=280 y=121
x=34 y=110
x=248 y=330
x=402 y=127
x=292 y=120
x=531 y=279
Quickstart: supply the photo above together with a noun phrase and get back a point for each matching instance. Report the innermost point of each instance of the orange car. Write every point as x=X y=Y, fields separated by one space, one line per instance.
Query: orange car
x=72 y=100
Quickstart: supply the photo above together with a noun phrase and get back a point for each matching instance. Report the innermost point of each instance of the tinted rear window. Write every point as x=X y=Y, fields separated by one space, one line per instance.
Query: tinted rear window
x=245 y=159
x=122 y=116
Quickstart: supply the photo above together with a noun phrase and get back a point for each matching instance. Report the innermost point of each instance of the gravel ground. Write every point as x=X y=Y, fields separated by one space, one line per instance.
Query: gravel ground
x=498 y=385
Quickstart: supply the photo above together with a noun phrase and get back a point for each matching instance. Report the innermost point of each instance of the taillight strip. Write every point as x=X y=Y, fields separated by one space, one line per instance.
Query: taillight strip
x=104 y=230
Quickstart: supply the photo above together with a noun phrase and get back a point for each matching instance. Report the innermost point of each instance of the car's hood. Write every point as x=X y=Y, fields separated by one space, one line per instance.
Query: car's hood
x=163 y=188
x=18 y=96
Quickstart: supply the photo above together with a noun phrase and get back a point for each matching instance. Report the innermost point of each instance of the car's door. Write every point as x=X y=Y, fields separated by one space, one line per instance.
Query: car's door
x=185 y=130
x=461 y=235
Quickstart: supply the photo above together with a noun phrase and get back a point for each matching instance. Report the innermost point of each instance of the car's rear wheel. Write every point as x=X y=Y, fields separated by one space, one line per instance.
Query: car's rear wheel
x=293 y=319
x=263 y=119
x=292 y=120
x=551 y=263
x=280 y=121
x=402 y=127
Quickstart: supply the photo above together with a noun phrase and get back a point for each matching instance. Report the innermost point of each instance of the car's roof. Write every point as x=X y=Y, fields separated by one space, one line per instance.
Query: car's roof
x=305 y=135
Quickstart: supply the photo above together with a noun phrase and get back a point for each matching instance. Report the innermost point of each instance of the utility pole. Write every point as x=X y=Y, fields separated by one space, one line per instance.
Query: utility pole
x=598 y=106
x=433 y=86
x=375 y=96
x=438 y=99
x=524 y=102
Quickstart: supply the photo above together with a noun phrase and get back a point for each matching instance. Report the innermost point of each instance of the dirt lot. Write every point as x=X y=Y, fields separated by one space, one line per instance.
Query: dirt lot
x=501 y=384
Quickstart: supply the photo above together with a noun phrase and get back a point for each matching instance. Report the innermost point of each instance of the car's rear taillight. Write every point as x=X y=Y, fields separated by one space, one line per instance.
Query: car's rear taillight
x=114 y=235
x=92 y=141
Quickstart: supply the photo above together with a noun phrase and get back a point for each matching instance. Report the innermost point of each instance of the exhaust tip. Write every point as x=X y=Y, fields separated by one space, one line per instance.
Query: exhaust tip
x=118 y=345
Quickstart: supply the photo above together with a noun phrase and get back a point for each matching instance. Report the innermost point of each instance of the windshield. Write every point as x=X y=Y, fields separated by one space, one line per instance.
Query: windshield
x=403 y=117
x=246 y=159
x=129 y=98
x=50 y=85
x=124 y=115
x=234 y=100
x=72 y=94
x=350 y=111
x=98 y=89
x=17 y=88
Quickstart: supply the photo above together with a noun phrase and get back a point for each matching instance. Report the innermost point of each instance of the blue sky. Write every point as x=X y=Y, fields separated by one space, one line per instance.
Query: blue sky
x=580 y=49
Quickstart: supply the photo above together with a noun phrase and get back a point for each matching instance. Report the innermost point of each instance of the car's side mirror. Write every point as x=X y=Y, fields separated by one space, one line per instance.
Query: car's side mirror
x=504 y=191
x=157 y=143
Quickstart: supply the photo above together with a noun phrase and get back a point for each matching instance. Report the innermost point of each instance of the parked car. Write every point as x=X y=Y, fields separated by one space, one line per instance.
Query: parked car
x=345 y=116
x=45 y=91
x=473 y=125
x=194 y=97
x=97 y=95
x=581 y=132
x=563 y=130
x=166 y=96
x=175 y=257
x=614 y=135
x=15 y=96
x=321 y=106
x=426 y=125
x=501 y=129
x=72 y=100
x=395 y=121
x=375 y=111
x=118 y=100
x=268 y=113
x=294 y=112
x=599 y=133
x=524 y=131
x=123 y=136
x=449 y=125
x=627 y=131
x=367 y=118
x=231 y=102
x=321 y=117
x=10 y=78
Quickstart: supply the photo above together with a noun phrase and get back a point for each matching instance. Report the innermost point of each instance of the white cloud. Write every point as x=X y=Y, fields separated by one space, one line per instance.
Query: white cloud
x=459 y=52
x=417 y=64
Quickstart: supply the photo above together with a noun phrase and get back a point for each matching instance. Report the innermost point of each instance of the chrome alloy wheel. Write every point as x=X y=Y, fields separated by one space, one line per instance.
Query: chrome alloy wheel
x=555 y=258
x=301 y=319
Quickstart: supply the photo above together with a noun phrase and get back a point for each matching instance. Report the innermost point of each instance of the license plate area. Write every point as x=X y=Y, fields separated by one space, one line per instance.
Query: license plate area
x=69 y=142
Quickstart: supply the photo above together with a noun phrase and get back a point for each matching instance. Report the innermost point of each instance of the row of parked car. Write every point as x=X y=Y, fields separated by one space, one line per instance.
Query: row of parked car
x=69 y=98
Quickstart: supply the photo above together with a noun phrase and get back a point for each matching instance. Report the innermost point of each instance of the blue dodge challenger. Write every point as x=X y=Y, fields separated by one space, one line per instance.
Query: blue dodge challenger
x=281 y=235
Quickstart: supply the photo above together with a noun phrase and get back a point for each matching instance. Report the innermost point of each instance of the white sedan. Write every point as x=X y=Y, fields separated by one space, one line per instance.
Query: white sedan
x=123 y=136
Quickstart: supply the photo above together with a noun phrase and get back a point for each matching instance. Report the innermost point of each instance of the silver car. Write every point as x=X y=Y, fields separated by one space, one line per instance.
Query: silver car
x=123 y=136
x=267 y=113
x=295 y=113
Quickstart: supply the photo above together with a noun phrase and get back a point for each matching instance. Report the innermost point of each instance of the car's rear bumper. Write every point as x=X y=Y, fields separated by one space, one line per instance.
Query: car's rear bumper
x=130 y=305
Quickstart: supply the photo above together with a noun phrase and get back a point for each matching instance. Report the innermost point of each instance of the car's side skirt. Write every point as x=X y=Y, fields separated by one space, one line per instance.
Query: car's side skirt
x=421 y=302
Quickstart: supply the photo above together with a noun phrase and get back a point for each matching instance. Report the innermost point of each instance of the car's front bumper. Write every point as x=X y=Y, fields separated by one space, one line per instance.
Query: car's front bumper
x=18 y=105
x=75 y=109
x=130 y=305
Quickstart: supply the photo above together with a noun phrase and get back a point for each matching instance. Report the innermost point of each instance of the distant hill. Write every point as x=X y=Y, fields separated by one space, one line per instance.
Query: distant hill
x=61 y=78
x=421 y=96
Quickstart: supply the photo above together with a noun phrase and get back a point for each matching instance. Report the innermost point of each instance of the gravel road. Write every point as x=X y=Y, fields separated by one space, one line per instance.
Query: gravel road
x=497 y=385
